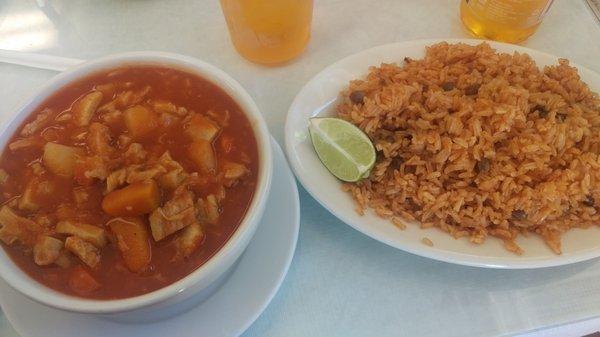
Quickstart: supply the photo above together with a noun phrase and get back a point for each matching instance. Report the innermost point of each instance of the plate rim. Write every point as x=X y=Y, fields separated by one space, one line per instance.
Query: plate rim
x=279 y=153
x=283 y=165
x=434 y=253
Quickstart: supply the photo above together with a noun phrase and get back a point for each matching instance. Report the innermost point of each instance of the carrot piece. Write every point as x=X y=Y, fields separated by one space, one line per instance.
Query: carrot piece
x=132 y=241
x=81 y=282
x=202 y=154
x=136 y=199
x=140 y=121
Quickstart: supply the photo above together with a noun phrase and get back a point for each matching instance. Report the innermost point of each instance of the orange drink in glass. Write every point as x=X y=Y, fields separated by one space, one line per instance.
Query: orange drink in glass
x=268 y=31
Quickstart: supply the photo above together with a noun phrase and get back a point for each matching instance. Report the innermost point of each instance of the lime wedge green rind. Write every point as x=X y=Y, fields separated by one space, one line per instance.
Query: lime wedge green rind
x=344 y=149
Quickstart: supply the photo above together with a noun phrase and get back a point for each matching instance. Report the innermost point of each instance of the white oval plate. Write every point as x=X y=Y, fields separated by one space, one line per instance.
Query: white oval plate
x=319 y=98
x=228 y=312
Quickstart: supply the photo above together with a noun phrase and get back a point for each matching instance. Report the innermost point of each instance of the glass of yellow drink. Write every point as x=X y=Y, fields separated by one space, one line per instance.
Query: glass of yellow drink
x=268 y=31
x=503 y=20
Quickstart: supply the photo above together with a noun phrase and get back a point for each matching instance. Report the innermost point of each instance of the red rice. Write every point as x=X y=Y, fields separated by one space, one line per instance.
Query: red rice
x=479 y=143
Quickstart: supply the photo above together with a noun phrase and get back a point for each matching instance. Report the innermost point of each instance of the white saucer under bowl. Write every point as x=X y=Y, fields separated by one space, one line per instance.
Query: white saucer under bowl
x=228 y=312
x=319 y=98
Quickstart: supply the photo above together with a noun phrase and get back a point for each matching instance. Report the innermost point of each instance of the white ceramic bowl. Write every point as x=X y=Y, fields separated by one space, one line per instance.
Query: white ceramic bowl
x=319 y=97
x=204 y=279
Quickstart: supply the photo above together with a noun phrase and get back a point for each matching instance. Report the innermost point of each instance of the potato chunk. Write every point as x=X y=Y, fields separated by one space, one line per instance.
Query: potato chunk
x=177 y=213
x=84 y=250
x=140 y=121
x=60 y=159
x=136 y=199
x=201 y=128
x=83 y=109
x=15 y=228
x=188 y=241
x=90 y=233
x=46 y=250
x=133 y=242
x=202 y=154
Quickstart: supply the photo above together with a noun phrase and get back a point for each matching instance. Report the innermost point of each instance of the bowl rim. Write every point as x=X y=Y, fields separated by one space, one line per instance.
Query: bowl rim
x=224 y=257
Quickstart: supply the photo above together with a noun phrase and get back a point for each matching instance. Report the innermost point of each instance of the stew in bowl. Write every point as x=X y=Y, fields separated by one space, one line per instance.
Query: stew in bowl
x=127 y=180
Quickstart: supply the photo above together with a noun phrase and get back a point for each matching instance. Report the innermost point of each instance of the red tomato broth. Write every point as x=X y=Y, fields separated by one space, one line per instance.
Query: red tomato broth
x=182 y=89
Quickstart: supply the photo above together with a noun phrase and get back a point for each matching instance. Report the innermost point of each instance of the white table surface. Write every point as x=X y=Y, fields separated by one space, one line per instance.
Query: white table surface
x=341 y=283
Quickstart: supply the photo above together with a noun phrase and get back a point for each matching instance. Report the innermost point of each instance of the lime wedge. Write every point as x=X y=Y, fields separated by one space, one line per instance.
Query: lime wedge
x=344 y=149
